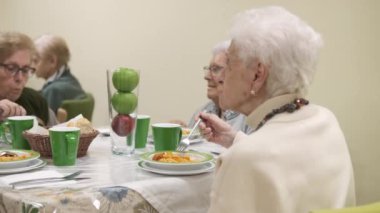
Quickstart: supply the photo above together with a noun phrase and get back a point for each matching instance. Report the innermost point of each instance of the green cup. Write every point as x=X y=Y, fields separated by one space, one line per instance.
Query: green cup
x=64 y=143
x=166 y=136
x=16 y=125
x=142 y=129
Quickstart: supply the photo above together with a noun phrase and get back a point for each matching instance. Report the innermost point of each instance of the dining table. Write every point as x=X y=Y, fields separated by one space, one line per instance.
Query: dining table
x=115 y=183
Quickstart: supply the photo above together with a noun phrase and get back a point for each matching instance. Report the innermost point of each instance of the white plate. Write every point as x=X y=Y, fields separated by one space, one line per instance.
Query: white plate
x=198 y=158
x=33 y=164
x=186 y=132
x=207 y=167
x=19 y=162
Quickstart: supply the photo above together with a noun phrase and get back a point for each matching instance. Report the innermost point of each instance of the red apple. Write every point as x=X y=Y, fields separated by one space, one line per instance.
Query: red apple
x=123 y=125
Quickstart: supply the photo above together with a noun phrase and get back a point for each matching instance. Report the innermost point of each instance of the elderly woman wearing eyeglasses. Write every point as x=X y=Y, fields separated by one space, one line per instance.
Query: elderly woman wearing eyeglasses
x=212 y=76
x=296 y=159
x=16 y=50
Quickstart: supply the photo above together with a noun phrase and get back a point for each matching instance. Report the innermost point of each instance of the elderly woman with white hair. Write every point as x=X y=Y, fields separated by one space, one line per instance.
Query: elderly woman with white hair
x=212 y=75
x=52 y=65
x=297 y=159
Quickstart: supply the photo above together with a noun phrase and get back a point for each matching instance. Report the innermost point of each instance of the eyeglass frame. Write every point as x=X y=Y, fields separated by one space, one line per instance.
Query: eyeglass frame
x=215 y=70
x=13 y=69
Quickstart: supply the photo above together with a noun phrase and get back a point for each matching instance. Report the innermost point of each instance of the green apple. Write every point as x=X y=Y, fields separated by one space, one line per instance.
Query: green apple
x=124 y=102
x=125 y=79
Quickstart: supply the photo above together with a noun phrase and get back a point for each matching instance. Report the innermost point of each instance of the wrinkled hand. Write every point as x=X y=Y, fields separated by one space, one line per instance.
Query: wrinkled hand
x=216 y=130
x=9 y=108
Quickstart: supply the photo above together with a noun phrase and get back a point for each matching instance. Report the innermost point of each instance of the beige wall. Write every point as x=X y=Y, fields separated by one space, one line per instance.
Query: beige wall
x=170 y=41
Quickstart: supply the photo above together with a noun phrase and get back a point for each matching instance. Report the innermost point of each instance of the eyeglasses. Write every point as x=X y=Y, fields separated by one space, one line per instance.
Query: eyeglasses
x=13 y=69
x=214 y=69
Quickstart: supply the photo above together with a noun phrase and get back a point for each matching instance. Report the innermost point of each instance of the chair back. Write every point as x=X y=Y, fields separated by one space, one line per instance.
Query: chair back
x=368 y=208
x=84 y=106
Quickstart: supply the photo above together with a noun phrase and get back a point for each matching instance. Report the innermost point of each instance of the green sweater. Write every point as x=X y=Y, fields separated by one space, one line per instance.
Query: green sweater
x=66 y=87
x=34 y=104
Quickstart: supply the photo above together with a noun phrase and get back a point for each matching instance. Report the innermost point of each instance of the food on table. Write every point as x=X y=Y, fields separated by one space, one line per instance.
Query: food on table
x=122 y=125
x=125 y=79
x=124 y=103
x=83 y=124
x=170 y=157
x=185 y=132
x=13 y=157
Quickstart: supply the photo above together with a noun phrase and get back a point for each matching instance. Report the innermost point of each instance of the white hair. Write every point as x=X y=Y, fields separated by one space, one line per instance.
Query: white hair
x=221 y=47
x=281 y=41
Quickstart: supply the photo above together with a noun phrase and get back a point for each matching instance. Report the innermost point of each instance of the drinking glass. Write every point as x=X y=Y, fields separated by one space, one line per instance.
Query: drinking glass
x=122 y=89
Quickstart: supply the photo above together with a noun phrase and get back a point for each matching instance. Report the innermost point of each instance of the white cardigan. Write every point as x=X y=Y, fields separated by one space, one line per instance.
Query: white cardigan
x=295 y=163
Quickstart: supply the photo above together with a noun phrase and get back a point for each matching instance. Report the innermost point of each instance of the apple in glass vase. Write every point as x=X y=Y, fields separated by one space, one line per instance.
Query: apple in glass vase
x=124 y=102
x=122 y=125
x=125 y=79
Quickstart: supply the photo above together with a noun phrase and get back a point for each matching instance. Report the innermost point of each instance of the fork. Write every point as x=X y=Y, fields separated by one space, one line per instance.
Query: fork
x=67 y=177
x=186 y=142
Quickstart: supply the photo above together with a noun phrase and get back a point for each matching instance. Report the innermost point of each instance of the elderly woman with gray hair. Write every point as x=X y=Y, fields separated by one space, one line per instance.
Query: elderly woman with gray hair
x=297 y=159
x=52 y=65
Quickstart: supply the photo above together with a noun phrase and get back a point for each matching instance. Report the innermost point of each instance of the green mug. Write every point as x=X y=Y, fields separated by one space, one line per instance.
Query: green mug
x=166 y=136
x=142 y=129
x=17 y=125
x=64 y=143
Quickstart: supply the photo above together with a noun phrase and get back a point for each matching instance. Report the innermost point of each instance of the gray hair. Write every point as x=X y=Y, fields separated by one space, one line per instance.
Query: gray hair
x=281 y=41
x=221 y=47
x=54 y=45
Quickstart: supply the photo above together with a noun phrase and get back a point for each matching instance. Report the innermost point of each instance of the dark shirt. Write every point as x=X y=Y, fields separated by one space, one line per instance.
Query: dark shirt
x=34 y=104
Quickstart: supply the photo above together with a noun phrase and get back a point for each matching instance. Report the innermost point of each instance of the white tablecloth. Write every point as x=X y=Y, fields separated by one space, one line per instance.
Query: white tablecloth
x=164 y=193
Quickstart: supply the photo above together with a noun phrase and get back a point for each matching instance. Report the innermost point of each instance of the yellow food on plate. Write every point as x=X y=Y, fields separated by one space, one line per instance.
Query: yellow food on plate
x=6 y=158
x=170 y=157
x=185 y=132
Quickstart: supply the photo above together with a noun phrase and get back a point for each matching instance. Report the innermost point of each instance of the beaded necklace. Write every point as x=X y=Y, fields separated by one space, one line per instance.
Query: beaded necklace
x=290 y=107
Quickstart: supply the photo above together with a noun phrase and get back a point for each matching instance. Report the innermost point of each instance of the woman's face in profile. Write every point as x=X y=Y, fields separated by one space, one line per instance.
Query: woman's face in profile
x=43 y=64
x=213 y=74
x=236 y=81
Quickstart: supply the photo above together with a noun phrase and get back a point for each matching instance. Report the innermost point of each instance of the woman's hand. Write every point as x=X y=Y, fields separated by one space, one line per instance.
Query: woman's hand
x=9 y=108
x=216 y=130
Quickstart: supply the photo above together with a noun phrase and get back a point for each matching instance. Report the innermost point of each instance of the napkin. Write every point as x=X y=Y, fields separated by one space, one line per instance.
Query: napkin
x=75 y=119
x=36 y=129
x=166 y=193
x=7 y=180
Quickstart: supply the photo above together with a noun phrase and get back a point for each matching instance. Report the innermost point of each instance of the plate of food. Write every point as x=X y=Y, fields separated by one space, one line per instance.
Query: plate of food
x=173 y=160
x=207 y=167
x=16 y=158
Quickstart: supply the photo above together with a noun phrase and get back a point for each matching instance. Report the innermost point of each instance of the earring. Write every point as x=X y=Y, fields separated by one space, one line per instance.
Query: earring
x=253 y=93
